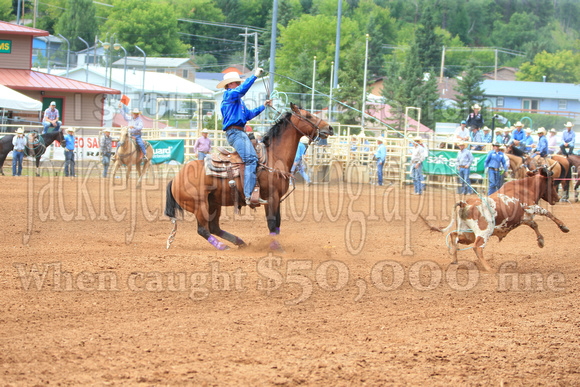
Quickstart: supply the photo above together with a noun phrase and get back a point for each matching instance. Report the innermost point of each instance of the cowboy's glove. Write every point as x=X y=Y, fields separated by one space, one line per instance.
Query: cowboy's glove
x=259 y=71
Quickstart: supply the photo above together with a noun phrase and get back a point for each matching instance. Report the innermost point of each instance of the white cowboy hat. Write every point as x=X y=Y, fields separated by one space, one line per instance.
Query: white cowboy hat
x=553 y=130
x=136 y=111
x=106 y=130
x=518 y=124
x=230 y=77
x=361 y=134
x=476 y=106
x=528 y=130
x=20 y=131
x=542 y=130
x=569 y=124
x=380 y=139
x=502 y=147
x=304 y=140
x=417 y=139
x=70 y=130
x=499 y=130
x=486 y=129
x=205 y=131
x=495 y=144
x=507 y=128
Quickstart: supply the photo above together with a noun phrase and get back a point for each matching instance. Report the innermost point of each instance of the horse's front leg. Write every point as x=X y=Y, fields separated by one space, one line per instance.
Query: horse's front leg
x=273 y=219
x=38 y=166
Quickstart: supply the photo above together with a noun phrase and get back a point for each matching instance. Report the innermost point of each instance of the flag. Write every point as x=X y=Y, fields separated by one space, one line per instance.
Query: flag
x=125 y=100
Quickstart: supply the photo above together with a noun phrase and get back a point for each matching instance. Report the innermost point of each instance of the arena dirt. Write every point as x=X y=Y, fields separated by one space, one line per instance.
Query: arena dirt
x=362 y=294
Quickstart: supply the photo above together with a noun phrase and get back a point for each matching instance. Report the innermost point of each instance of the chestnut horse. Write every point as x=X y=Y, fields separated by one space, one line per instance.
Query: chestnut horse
x=129 y=153
x=559 y=165
x=204 y=196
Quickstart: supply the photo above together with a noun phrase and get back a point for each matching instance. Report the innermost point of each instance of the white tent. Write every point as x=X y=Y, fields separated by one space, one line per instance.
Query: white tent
x=13 y=100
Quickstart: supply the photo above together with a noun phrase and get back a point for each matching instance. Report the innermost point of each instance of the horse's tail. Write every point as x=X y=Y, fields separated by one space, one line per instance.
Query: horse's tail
x=171 y=204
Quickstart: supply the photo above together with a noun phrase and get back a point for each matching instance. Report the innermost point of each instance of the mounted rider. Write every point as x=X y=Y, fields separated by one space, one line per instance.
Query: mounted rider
x=135 y=124
x=235 y=116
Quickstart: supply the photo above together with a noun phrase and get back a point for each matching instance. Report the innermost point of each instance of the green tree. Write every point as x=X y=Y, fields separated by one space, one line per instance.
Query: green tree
x=517 y=32
x=350 y=90
x=469 y=88
x=428 y=42
x=305 y=38
x=562 y=66
x=5 y=10
x=151 y=25
x=78 y=20
x=200 y=34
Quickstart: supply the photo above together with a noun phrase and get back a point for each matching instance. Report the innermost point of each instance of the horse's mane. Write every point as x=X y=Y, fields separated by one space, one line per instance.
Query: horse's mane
x=276 y=129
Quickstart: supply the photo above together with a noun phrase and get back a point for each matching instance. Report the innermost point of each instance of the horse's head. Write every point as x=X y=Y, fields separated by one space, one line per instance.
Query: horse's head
x=549 y=191
x=310 y=126
x=124 y=135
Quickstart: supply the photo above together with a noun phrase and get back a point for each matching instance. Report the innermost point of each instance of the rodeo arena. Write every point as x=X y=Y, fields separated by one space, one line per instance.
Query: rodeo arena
x=384 y=253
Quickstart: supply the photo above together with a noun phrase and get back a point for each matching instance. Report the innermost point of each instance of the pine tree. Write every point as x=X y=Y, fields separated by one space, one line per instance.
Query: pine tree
x=469 y=88
x=78 y=20
x=428 y=42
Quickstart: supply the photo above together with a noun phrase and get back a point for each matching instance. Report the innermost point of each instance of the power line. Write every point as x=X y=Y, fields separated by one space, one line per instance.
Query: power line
x=210 y=37
x=225 y=25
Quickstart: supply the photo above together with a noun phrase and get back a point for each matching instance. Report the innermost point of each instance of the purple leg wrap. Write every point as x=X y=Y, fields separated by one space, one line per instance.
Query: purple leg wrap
x=272 y=234
x=217 y=244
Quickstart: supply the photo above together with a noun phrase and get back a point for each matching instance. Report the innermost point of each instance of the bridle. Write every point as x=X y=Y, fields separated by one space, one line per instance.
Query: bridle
x=316 y=126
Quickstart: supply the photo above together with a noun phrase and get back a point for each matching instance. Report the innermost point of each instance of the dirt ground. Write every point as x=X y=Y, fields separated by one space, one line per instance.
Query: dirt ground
x=362 y=294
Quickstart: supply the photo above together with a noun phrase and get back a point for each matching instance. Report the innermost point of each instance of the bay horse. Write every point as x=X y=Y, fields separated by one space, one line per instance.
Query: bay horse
x=129 y=154
x=517 y=166
x=192 y=190
x=35 y=150
x=575 y=162
x=559 y=165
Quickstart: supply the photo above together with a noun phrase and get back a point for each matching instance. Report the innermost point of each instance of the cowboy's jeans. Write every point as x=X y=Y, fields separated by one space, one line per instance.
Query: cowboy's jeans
x=380 y=164
x=417 y=174
x=242 y=144
x=300 y=167
x=140 y=142
x=47 y=125
x=106 y=162
x=69 y=163
x=464 y=181
x=17 y=157
x=493 y=181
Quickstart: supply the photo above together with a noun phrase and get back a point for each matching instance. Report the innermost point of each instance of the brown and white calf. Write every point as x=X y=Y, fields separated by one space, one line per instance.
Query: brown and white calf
x=516 y=203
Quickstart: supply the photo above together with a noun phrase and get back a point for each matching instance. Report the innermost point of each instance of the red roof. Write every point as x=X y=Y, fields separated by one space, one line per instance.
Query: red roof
x=383 y=113
x=33 y=80
x=14 y=29
x=120 y=121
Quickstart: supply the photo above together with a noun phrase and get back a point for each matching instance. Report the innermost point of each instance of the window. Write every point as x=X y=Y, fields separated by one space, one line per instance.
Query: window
x=499 y=102
x=562 y=104
x=160 y=71
x=530 y=104
x=185 y=73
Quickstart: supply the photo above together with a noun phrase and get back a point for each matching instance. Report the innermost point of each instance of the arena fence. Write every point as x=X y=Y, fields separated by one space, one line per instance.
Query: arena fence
x=345 y=157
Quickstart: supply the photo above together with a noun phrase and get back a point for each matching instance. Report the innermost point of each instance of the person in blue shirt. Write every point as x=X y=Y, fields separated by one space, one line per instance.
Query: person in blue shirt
x=476 y=136
x=298 y=160
x=235 y=115
x=542 y=148
x=380 y=155
x=135 y=124
x=528 y=140
x=69 y=153
x=499 y=136
x=518 y=135
x=19 y=143
x=494 y=160
x=568 y=139
x=487 y=137
x=464 y=161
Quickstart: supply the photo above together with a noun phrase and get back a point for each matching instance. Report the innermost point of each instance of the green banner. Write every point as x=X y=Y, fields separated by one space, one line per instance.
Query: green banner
x=166 y=150
x=443 y=163
x=5 y=46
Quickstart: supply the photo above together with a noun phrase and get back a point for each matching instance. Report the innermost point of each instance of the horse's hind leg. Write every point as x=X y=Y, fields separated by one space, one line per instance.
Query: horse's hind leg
x=202 y=214
x=214 y=226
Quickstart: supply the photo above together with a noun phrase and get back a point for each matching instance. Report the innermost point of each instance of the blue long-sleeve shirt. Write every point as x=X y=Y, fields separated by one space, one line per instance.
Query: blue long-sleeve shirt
x=381 y=153
x=70 y=141
x=464 y=158
x=495 y=160
x=487 y=137
x=569 y=137
x=300 y=152
x=542 y=147
x=499 y=138
x=529 y=141
x=477 y=137
x=135 y=124
x=234 y=110
x=518 y=135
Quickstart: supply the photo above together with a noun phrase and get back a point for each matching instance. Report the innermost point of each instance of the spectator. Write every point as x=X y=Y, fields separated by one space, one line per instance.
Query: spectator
x=568 y=139
x=464 y=161
x=517 y=138
x=542 y=148
x=552 y=141
x=106 y=145
x=487 y=137
x=380 y=156
x=19 y=143
x=494 y=160
x=474 y=119
x=528 y=140
x=51 y=116
x=461 y=132
x=202 y=145
x=476 y=136
x=69 y=153
x=499 y=136
x=503 y=171
x=506 y=135
x=417 y=158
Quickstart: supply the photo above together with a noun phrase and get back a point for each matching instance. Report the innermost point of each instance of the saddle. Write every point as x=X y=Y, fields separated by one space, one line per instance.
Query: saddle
x=229 y=165
x=138 y=148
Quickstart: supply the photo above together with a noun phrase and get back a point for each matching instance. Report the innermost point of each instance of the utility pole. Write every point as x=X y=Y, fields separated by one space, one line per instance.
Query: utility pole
x=273 y=43
x=364 y=101
x=256 y=50
x=337 y=48
x=34 y=14
x=245 y=35
x=442 y=65
x=313 y=86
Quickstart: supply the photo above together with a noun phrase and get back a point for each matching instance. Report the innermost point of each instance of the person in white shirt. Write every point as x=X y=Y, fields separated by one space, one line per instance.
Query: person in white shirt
x=461 y=133
x=553 y=141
